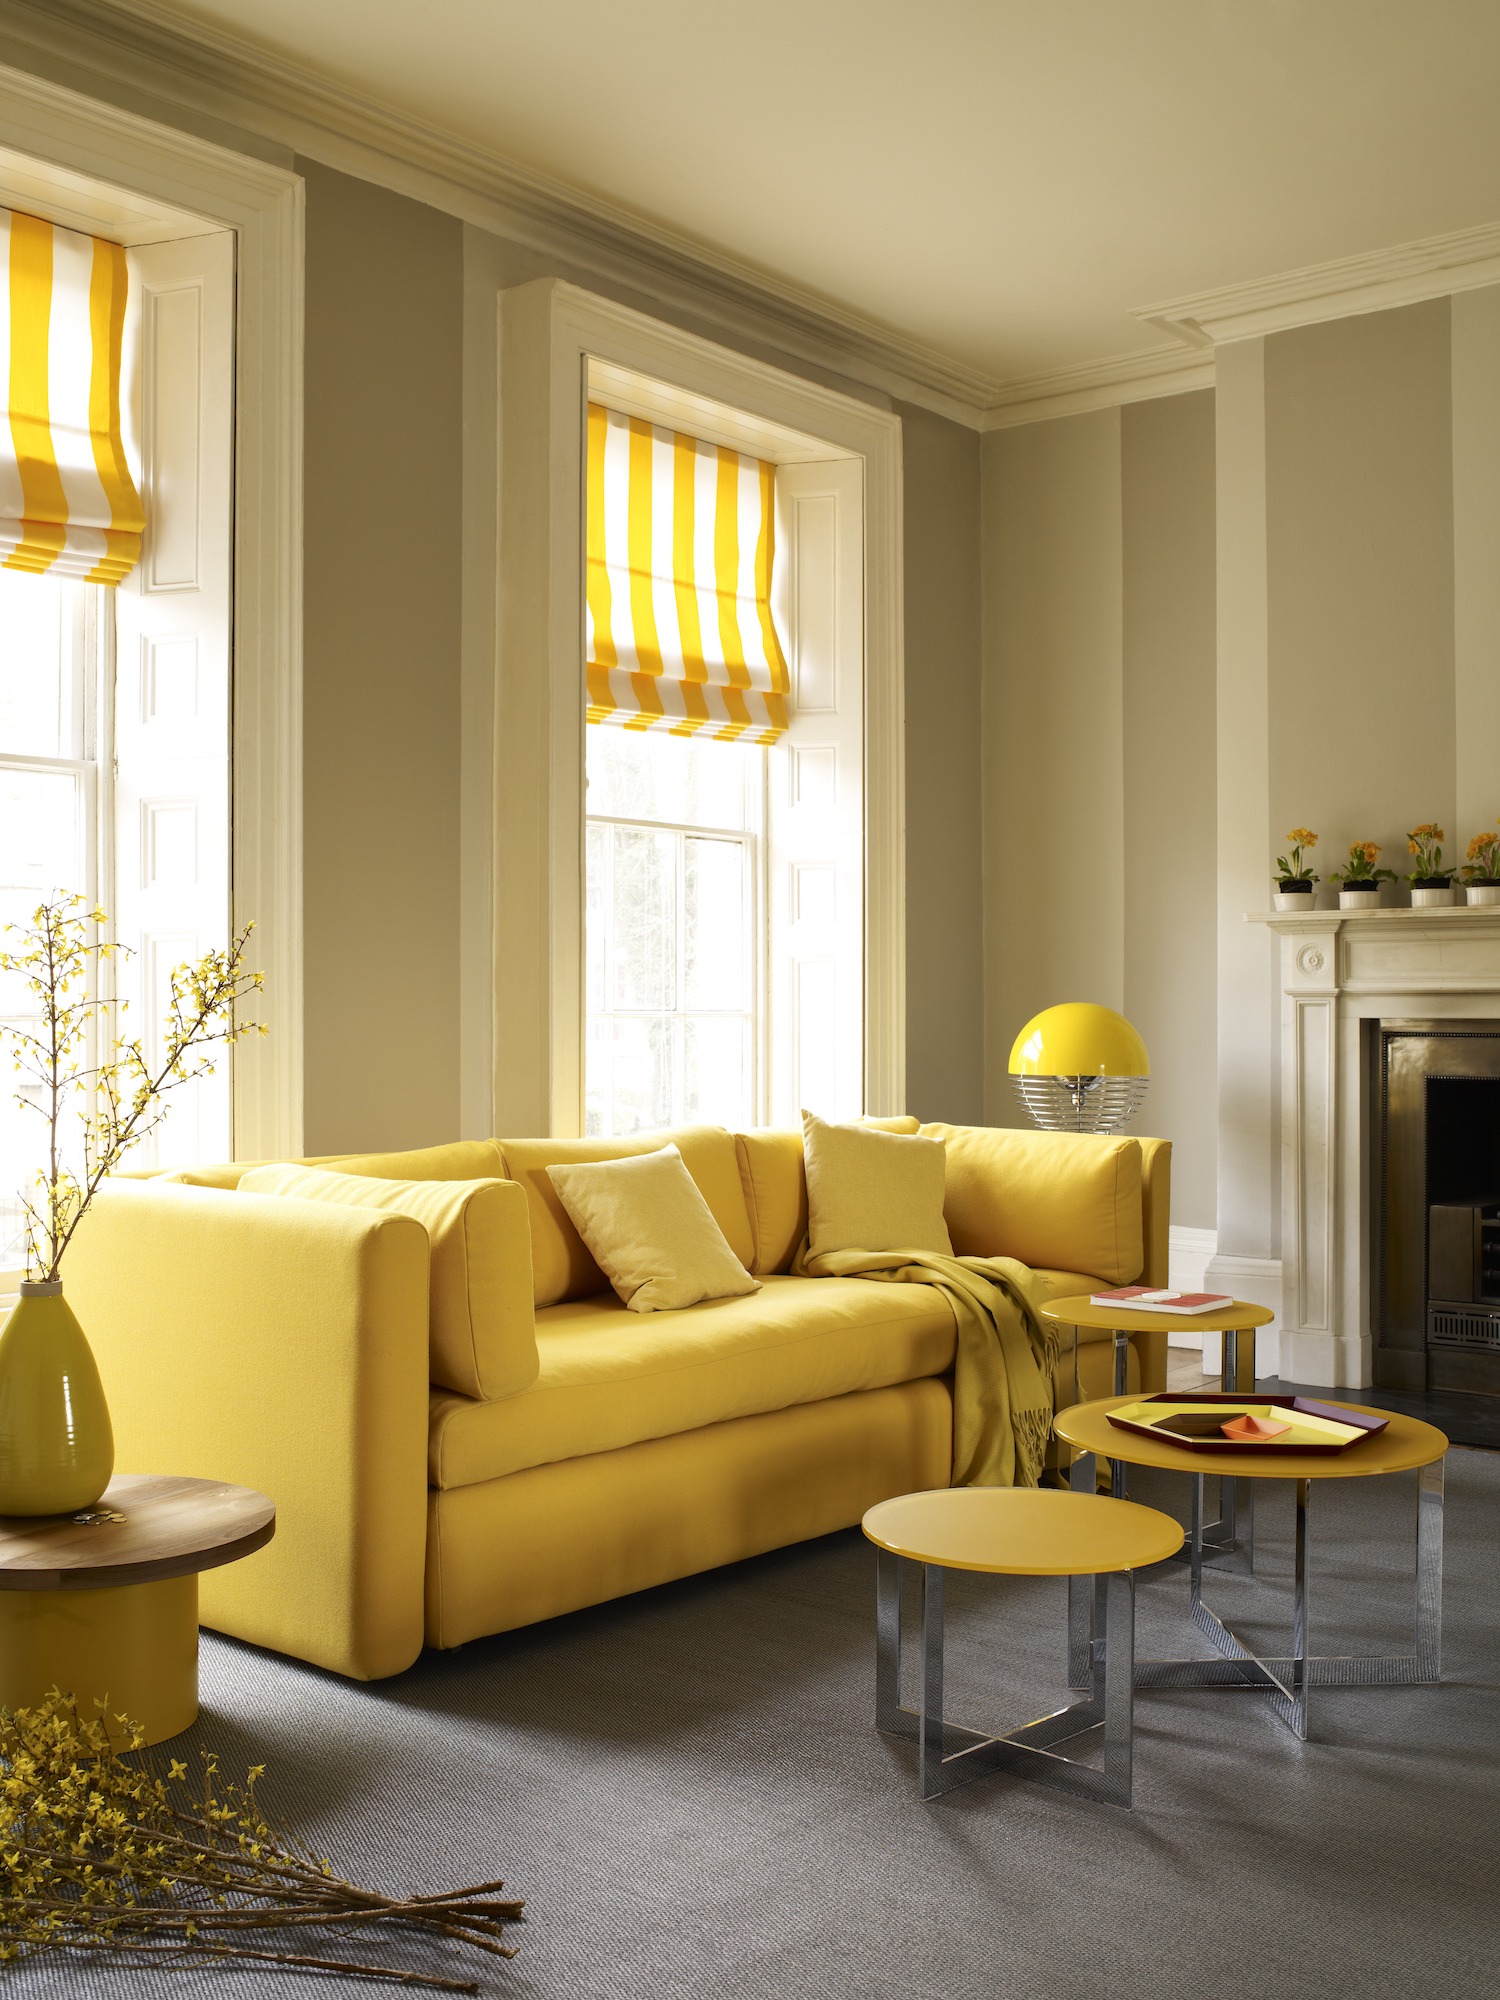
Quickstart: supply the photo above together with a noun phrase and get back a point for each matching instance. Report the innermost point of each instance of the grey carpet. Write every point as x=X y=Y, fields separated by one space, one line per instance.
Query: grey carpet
x=687 y=1790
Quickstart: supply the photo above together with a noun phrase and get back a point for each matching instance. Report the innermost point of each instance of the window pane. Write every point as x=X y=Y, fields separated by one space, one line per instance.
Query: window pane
x=631 y=1069
x=41 y=835
x=595 y=902
x=717 y=1070
x=715 y=926
x=649 y=774
x=40 y=620
x=643 y=918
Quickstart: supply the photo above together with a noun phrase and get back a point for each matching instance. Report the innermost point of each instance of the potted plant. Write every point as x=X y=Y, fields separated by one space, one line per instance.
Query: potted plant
x=56 y=1444
x=1482 y=869
x=1359 y=881
x=1295 y=881
x=1431 y=885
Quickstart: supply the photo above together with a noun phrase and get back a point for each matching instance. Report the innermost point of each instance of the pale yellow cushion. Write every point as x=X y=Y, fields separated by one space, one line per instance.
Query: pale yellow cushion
x=481 y=1340
x=561 y=1267
x=650 y=1231
x=872 y=1190
x=608 y=1379
x=1067 y=1200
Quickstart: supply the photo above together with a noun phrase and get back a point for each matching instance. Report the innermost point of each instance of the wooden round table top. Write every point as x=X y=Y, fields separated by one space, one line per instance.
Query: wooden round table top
x=1020 y=1531
x=1239 y=1317
x=1402 y=1446
x=146 y=1527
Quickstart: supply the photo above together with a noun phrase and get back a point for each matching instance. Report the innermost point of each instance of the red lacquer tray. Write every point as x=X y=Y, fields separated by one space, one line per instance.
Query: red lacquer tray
x=1191 y=1422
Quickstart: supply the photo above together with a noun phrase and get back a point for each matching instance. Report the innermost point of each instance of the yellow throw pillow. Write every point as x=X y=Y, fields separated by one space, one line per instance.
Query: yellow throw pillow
x=481 y=1335
x=650 y=1231
x=872 y=1190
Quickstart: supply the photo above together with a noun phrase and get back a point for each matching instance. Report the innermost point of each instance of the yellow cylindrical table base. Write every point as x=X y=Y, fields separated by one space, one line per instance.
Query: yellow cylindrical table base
x=134 y=1646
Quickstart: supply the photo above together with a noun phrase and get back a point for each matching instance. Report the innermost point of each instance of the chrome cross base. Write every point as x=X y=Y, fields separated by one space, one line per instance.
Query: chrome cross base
x=1284 y=1679
x=949 y=1755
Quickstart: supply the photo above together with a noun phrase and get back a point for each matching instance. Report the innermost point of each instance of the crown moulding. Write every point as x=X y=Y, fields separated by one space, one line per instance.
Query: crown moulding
x=1374 y=281
x=1098 y=385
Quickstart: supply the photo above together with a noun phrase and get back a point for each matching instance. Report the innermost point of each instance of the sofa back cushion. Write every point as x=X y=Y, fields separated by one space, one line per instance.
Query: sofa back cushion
x=480 y=1334
x=773 y=1180
x=464 y=1160
x=872 y=1190
x=775 y=1190
x=1071 y=1201
x=561 y=1267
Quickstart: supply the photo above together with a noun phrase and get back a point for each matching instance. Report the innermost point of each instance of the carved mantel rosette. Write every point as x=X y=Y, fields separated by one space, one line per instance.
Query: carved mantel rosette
x=1339 y=968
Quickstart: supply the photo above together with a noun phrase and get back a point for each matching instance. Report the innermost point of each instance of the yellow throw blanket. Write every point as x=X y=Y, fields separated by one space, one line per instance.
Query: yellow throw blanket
x=1002 y=1378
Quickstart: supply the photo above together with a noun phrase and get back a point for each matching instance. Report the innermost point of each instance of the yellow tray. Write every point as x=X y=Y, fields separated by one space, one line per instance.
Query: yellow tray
x=1314 y=1428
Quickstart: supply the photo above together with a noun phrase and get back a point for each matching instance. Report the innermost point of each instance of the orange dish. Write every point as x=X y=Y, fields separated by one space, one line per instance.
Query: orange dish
x=1250 y=1430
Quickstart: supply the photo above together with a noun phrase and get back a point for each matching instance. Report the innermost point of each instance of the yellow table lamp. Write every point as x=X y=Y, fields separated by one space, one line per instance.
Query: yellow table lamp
x=1080 y=1068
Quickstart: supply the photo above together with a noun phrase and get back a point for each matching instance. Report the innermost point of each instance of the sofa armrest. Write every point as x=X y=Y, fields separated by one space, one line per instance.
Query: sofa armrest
x=281 y=1345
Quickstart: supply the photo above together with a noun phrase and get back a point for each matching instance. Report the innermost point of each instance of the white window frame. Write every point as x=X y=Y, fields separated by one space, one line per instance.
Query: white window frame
x=263 y=204
x=522 y=891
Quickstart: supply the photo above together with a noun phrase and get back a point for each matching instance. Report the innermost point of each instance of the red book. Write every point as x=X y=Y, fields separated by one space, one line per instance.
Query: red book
x=1146 y=1298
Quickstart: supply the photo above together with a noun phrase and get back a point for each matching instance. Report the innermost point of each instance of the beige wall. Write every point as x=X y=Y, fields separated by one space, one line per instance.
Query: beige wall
x=1167 y=621
x=1099 y=748
x=1359 y=579
x=1053 y=728
x=944 y=860
x=382 y=496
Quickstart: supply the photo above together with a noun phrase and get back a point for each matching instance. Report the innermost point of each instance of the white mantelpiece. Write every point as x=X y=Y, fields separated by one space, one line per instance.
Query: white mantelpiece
x=1339 y=967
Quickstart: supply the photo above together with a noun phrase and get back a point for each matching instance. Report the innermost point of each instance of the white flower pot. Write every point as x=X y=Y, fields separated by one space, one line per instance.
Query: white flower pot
x=1298 y=899
x=1432 y=899
x=1360 y=899
x=1483 y=892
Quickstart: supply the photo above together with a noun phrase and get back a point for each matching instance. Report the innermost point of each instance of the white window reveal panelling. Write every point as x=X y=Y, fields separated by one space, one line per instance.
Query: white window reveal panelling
x=171 y=817
x=815 y=820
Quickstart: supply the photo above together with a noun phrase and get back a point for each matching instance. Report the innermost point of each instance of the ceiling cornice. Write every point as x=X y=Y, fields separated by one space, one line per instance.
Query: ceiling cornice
x=1429 y=268
x=190 y=63
x=1098 y=385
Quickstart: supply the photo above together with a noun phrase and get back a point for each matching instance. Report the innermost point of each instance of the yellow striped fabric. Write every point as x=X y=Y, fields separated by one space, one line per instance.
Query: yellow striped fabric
x=680 y=538
x=68 y=504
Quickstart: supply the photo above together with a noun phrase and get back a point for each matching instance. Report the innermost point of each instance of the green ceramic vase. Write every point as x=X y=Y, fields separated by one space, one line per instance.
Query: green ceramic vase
x=57 y=1450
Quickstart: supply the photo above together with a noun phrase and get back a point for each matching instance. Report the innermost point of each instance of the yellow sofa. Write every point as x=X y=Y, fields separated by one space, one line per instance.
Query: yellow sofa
x=283 y=1343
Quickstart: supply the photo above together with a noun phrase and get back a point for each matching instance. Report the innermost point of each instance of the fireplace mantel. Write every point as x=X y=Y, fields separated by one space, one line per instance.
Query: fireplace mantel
x=1339 y=967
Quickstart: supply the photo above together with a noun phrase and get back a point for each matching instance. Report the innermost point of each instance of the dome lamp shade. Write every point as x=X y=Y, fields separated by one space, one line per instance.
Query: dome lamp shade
x=1080 y=1068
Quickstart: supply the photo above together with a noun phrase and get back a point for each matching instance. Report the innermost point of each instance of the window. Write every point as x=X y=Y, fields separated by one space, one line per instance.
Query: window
x=673 y=899
x=724 y=838
x=114 y=701
x=50 y=634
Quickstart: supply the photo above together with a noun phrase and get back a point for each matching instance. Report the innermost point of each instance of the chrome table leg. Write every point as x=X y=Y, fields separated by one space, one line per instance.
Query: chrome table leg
x=949 y=1755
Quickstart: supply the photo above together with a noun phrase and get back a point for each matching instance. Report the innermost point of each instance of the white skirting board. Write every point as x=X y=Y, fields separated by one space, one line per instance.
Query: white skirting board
x=1194 y=1265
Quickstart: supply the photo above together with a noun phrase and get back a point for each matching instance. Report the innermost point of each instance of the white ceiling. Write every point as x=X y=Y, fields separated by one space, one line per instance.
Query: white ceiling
x=1002 y=180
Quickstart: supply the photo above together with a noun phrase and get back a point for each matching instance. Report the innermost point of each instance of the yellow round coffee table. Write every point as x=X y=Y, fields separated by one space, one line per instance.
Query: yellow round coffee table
x=1406 y=1444
x=1014 y=1531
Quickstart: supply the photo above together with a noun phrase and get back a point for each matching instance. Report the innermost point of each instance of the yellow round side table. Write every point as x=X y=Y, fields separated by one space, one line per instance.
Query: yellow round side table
x=1014 y=1531
x=1231 y=1536
x=104 y=1604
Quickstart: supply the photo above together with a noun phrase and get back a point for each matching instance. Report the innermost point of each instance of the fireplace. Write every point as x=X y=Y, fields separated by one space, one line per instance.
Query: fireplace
x=1436 y=1241
x=1382 y=1009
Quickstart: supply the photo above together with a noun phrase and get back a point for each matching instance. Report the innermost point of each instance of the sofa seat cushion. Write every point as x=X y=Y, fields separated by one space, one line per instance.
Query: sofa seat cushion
x=609 y=1377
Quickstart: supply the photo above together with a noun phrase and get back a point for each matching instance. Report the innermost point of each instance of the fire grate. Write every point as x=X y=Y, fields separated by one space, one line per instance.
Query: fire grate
x=1457 y=1327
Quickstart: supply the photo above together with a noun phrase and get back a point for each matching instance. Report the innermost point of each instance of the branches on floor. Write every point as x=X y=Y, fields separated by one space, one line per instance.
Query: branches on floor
x=101 y=1850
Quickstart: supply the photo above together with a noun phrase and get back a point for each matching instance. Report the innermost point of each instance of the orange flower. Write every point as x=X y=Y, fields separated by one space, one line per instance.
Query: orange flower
x=1301 y=837
x=1429 y=830
x=1483 y=843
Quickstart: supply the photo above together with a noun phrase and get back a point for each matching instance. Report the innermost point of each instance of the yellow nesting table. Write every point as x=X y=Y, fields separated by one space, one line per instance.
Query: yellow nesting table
x=1014 y=1531
x=1405 y=1445
x=104 y=1604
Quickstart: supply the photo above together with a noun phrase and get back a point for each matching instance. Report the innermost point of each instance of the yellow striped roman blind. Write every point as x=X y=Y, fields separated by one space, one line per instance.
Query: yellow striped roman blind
x=68 y=504
x=681 y=536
